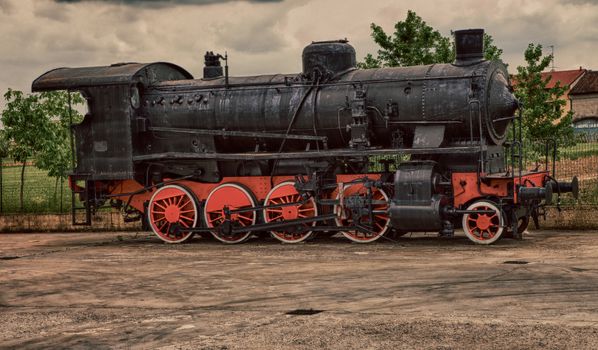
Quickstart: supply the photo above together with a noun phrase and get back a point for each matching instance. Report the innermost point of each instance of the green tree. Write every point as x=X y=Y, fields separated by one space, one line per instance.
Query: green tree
x=57 y=157
x=36 y=127
x=414 y=42
x=543 y=116
x=3 y=145
x=3 y=154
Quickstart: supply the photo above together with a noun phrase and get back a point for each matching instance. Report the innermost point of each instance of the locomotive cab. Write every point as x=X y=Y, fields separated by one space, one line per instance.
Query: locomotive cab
x=112 y=131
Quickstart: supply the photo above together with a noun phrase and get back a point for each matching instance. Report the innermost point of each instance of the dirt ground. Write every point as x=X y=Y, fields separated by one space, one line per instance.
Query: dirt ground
x=129 y=290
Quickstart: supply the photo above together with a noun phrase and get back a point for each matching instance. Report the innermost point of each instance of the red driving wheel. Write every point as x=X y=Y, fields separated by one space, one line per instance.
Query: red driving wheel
x=171 y=206
x=234 y=196
x=285 y=193
x=380 y=205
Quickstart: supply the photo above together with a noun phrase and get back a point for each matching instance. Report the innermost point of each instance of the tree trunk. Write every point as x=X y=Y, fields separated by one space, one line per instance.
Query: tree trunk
x=53 y=201
x=1 y=192
x=22 y=183
x=61 y=191
x=1 y=184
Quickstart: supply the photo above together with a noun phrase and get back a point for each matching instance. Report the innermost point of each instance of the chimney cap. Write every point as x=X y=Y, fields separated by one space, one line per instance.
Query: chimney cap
x=469 y=45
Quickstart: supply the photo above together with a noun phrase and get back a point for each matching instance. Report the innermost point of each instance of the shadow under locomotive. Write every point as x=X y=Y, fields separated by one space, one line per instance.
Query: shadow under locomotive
x=291 y=154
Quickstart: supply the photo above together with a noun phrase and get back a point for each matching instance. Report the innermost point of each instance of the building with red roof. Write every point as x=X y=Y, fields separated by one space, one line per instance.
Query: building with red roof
x=584 y=102
x=565 y=78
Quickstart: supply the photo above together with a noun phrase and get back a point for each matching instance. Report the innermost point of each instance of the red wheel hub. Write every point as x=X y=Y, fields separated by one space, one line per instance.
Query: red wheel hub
x=290 y=213
x=172 y=213
x=483 y=222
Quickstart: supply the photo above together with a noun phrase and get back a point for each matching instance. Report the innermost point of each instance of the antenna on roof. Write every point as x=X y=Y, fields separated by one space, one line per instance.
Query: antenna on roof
x=552 y=56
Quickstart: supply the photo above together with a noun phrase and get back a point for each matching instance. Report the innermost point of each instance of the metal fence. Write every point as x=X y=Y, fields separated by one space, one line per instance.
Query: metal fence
x=43 y=194
x=580 y=159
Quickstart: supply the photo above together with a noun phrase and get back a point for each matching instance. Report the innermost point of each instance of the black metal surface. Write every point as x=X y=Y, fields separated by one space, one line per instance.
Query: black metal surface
x=237 y=133
x=212 y=68
x=566 y=187
x=438 y=94
x=119 y=73
x=469 y=46
x=417 y=204
x=324 y=59
x=528 y=194
x=342 y=153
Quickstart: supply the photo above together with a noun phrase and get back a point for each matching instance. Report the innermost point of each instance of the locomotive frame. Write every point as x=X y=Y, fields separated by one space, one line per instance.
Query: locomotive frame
x=290 y=154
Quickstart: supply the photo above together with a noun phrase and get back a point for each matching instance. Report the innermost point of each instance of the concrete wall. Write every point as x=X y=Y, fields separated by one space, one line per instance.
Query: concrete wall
x=104 y=221
x=580 y=217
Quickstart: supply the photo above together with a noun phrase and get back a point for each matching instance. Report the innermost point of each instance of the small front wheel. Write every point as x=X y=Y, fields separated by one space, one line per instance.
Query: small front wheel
x=485 y=227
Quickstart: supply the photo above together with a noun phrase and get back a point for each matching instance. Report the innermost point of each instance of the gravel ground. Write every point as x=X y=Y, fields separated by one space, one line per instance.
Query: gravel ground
x=128 y=290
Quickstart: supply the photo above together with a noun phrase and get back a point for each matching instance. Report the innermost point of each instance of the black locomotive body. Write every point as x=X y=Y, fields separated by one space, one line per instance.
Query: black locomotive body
x=293 y=154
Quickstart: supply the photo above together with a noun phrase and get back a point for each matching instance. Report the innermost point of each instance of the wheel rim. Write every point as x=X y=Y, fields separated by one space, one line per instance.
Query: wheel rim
x=483 y=228
x=172 y=205
x=283 y=193
x=235 y=197
x=379 y=207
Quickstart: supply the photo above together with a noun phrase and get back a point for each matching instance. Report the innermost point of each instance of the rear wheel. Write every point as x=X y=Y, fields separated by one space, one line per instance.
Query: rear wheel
x=483 y=228
x=170 y=207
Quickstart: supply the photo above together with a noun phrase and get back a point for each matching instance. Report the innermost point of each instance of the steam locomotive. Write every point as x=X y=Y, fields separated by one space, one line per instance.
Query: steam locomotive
x=364 y=152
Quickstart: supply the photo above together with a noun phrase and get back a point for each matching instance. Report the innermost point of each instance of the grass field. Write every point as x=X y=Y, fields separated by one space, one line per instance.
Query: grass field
x=41 y=195
x=580 y=150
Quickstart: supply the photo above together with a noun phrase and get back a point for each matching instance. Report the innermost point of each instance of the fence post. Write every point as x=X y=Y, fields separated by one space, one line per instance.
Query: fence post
x=1 y=183
x=61 y=190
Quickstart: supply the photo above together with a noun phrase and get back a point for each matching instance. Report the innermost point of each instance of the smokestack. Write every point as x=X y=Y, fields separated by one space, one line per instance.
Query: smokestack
x=469 y=46
x=212 y=68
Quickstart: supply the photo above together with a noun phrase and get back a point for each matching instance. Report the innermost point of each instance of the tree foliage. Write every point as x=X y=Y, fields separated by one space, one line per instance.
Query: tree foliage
x=543 y=116
x=3 y=145
x=36 y=127
x=414 y=42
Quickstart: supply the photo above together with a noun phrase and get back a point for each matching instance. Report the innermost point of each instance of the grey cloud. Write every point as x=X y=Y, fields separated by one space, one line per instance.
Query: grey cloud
x=160 y=3
x=260 y=36
x=6 y=7
x=580 y=2
x=46 y=10
x=264 y=36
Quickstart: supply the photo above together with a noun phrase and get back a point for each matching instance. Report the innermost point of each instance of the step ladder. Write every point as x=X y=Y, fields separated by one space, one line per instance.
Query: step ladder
x=81 y=215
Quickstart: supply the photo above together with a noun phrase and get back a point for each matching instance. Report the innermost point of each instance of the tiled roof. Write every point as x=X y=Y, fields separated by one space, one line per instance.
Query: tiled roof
x=566 y=77
x=588 y=84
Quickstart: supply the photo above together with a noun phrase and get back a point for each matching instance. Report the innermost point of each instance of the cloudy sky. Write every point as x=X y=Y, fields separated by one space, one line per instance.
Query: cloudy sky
x=265 y=36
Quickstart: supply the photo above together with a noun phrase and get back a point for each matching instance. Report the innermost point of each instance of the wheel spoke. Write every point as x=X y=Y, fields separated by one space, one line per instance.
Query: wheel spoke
x=158 y=204
x=245 y=217
x=185 y=217
x=275 y=218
